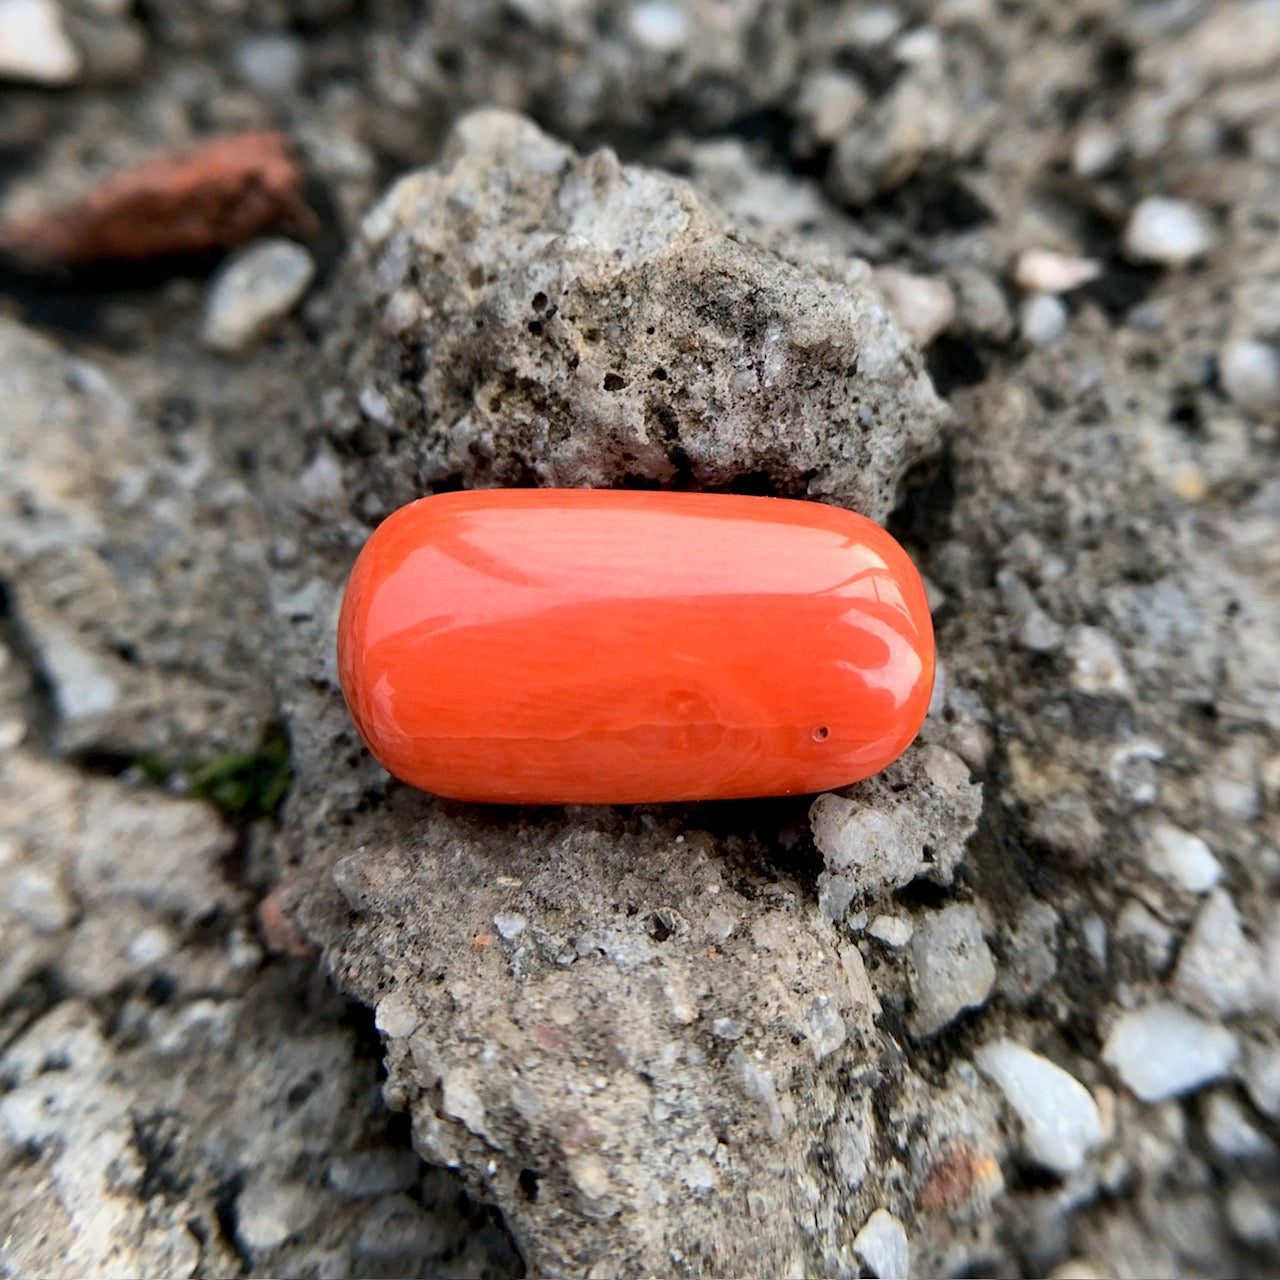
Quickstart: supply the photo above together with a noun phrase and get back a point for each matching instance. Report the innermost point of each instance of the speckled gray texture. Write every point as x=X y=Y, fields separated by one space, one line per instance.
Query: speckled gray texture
x=132 y=559
x=172 y=1100
x=521 y=314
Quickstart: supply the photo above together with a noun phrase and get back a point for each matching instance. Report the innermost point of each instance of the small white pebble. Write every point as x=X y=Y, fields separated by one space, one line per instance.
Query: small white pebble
x=271 y=62
x=893 y=931
x=403 y=310
x=1093 y=928
x=459 y=1100
x=1261 y=1075
x=1097 y=147
x=590 y=1176
x=1059 y=1117
x=683 y=1003
x=882 y=1245
x=151 y=947
x=510 y=924
x=1045 y=271
x=1230 y=1130
x=872 y=25
x=829 y=103
x=1153 y=937
x=959 y=13
x=699 y=1175
x=1161 y=1051
x=1167 y=231
x=1076 y=1269
x=719 y=924
x=35 y=896
x=253 y=292
x=33 y=45
x=1250 y=373
x=1181 y=858
x=1042 y=319
x=658 y=25
x=397 y=1016
x=1097 y=666
x=1235 y=782
x=268 y=1212
x=1220 y=972
x=920 y=47
x=924 y=306
x=1254 y=1220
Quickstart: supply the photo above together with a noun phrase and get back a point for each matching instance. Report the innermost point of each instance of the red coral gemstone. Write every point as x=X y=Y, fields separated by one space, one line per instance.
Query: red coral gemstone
x=575 y=646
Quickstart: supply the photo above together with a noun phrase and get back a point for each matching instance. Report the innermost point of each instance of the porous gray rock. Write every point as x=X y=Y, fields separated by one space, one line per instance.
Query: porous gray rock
x=589 y=1053
x=572 y=321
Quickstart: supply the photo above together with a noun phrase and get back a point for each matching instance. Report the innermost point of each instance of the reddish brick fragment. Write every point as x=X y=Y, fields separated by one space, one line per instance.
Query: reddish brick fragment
x=958 y=1172
x=279 y=931
x=217 y=195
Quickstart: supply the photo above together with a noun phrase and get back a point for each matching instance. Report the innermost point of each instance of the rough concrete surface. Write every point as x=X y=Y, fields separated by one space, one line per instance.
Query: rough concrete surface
x=1006 y=276
x=132 y=558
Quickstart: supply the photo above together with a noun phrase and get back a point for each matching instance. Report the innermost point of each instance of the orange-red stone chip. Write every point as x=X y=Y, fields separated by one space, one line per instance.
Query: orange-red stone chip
x=591 y=646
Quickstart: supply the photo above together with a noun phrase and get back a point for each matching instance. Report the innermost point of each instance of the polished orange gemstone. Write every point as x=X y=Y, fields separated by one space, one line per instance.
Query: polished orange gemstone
x=576 y=646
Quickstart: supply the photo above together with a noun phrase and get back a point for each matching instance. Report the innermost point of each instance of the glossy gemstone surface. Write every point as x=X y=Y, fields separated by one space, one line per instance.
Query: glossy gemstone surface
x=574 y=646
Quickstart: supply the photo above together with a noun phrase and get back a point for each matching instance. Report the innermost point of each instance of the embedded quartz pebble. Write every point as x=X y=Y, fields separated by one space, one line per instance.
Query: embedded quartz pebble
x=592 y=646
x=1060 y=1119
